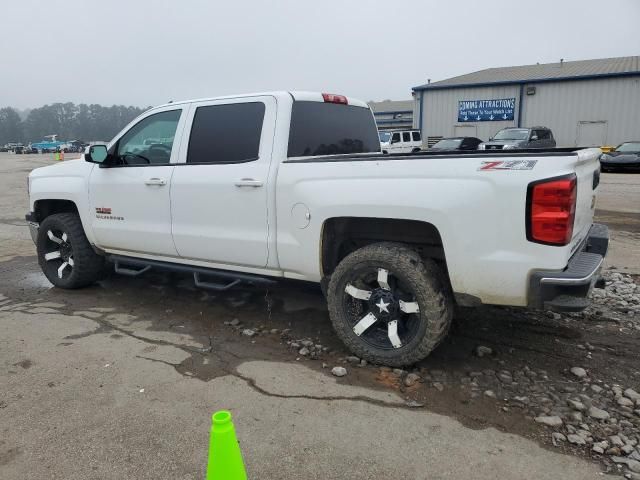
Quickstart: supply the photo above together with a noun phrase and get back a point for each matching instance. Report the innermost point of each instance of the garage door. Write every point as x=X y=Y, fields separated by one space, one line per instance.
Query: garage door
x=592 y=134
x=464 y=131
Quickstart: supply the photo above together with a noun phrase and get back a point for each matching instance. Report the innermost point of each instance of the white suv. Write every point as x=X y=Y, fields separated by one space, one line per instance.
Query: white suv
x=400 y=141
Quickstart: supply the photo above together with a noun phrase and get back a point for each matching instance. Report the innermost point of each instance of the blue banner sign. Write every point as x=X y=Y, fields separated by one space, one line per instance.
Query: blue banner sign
x=486 y=110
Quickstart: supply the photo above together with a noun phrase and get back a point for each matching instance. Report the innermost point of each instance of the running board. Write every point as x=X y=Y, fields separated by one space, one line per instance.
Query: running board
x=213 y=286
x=133 y=267
x=130 y=272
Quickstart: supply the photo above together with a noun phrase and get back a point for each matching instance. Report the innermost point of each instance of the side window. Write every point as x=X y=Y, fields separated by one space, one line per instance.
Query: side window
x=395 y=137
x=226 y=133
x=544 y=134
x=406 y=136
x=416 y=136
x=150 y=141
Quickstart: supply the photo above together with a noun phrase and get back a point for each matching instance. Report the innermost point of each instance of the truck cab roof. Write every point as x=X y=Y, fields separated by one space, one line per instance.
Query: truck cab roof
x=299 y=96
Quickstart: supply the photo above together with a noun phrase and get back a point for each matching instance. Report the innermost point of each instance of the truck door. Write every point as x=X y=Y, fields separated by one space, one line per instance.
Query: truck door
x=129 y=194
x=219 y=195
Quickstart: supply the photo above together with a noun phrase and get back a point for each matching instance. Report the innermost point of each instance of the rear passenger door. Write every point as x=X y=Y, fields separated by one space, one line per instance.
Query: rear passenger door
x=406 y=142
x=219 y=188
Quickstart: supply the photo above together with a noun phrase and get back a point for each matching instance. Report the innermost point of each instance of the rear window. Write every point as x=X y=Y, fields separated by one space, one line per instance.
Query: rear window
x=226 y=133
x=331 y=129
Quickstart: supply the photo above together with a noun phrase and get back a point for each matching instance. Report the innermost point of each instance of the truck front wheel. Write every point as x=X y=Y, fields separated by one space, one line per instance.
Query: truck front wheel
x=388 y=305
x=64 y=253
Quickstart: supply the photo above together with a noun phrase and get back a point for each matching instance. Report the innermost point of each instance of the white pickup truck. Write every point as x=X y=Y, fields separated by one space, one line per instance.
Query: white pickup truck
x=293 y=185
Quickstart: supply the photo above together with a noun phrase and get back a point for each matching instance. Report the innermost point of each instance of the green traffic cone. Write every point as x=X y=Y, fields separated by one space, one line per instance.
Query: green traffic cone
x=225 y=459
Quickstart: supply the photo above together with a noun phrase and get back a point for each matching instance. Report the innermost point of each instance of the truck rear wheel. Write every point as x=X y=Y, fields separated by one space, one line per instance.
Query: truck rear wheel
x=64 y=253
x=388 y=305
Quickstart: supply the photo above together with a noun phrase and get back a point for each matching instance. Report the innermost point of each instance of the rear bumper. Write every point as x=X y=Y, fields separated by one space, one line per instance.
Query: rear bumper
x=568 y=290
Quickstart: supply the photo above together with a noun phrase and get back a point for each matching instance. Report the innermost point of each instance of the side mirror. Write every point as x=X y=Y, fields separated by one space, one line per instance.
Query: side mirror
x=534 y=137
x=96 y=153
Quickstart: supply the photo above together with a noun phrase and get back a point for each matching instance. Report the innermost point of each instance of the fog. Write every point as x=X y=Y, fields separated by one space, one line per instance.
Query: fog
x=141 y=52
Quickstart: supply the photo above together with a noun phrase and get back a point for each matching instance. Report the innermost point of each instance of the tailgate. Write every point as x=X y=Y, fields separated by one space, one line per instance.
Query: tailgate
x=587 y=169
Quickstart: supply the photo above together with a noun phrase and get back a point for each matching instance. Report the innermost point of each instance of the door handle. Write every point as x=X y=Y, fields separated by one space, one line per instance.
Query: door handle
x=155 y=181
x=248 y=182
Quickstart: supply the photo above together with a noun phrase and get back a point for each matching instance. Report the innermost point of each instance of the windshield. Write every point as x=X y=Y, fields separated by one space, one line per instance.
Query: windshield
x=629 y=147
x=448 y=143
x=384 y=136
x=512 y=134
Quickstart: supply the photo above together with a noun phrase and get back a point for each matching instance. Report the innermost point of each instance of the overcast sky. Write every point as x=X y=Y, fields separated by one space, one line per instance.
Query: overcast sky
x=146 y=52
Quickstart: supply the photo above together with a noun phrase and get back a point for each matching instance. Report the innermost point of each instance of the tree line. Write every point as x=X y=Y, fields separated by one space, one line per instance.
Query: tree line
x=67 y=120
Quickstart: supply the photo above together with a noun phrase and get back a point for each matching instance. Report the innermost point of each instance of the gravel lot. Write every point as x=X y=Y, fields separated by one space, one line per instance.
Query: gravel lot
x=119 y=380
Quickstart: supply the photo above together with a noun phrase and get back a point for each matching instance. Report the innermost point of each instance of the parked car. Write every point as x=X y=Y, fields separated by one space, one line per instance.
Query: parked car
x=18 y=150
x=401 y=141
x=624 y=156
x=520 y=138
x=30 y=149
x=457 y=143
x=293 y=185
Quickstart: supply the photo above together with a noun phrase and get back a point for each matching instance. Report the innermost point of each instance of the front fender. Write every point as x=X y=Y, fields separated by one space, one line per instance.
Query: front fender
x=65 y=181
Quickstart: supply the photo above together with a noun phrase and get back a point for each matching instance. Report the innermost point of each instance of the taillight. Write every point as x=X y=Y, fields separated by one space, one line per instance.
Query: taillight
x=333 y=98
x=551 y=208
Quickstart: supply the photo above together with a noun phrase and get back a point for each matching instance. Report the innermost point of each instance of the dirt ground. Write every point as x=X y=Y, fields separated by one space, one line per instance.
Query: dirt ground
x=118 y=380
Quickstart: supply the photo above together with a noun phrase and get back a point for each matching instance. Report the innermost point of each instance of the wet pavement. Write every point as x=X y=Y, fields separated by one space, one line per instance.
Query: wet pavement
x=119 y=380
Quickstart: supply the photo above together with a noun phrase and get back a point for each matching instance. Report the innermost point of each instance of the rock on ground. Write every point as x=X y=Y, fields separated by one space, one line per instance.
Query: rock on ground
x=339 y=371
x=579 y=372
x=550 y=421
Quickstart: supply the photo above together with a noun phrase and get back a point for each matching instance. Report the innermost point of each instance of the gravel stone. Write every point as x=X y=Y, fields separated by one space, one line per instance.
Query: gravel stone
x=339 y=371
x=489 y=393
x=576 y=439
x=247 y=332
x=482 y=351
x=550 y=421
x=616 y=441
x=557 y=437
x=633 y=465
x=304 y=351
x=632 y=395
x=624 y=402
x=579 y=406
x=598 y=414
x=579 y=372
x=411 y=379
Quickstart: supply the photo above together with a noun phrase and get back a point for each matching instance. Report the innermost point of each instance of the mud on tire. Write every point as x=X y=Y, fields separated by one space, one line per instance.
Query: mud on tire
x=364 y=302
x=64 y=253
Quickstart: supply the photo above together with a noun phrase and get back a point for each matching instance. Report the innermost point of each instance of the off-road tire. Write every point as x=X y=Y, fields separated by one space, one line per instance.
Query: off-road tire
x=431 y=291
x=88 y=266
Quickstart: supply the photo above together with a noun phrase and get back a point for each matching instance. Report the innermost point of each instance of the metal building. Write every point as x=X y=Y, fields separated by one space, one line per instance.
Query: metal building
x=585 y=103
x=393 y=114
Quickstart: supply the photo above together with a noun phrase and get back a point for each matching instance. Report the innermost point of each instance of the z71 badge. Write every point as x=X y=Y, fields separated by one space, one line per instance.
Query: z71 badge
x=508 y=165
